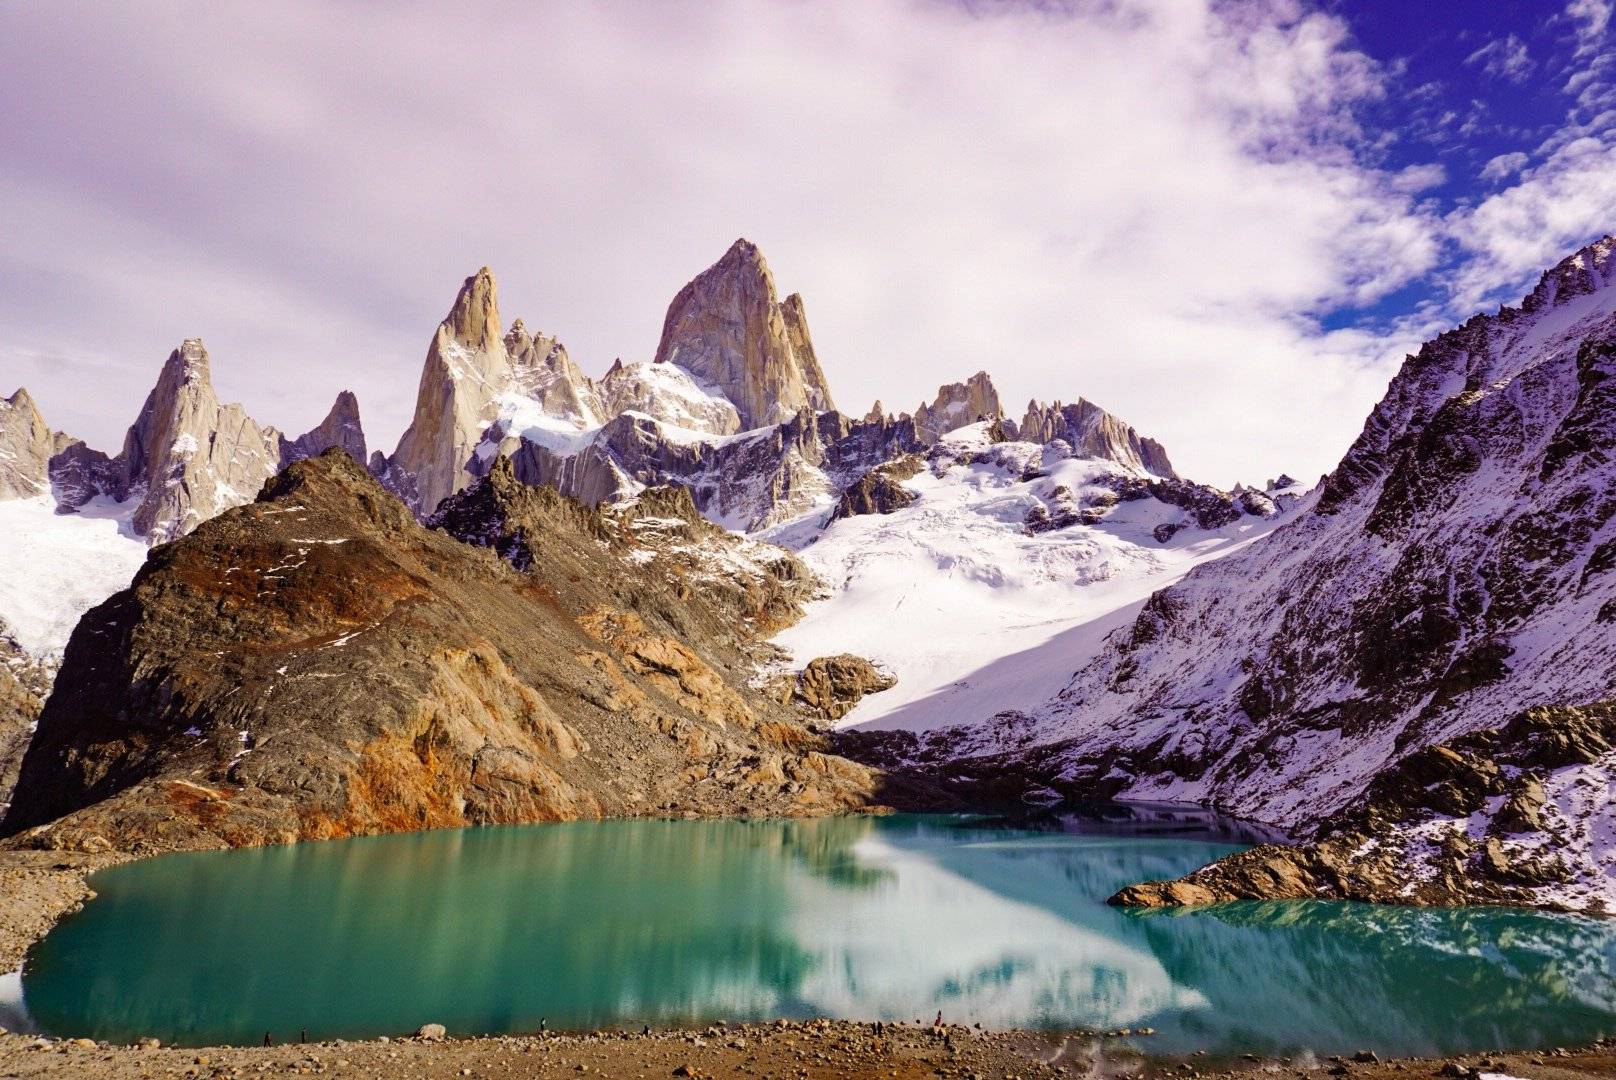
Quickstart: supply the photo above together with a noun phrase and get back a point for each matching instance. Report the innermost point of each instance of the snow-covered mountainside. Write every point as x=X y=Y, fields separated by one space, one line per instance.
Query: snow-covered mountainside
x=1457 y=568
x=1006 y=565
x=55 y=567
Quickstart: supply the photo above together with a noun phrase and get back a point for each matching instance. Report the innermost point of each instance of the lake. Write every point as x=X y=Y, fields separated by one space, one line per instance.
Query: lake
x=622 y=923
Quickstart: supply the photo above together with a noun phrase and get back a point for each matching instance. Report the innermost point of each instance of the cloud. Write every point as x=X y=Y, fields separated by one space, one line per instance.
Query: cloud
x=1504 y=58
x=1512 y=235
x=1591 y=19
x=1504 y=166
x=1150 y=203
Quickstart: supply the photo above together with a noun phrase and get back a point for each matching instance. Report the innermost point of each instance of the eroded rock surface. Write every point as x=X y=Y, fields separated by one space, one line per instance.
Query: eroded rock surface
x=319 y=664
x=831 y=686
x=466 y=371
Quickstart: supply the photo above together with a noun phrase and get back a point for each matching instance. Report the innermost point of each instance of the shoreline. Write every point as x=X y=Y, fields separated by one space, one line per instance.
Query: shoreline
x=38 y=888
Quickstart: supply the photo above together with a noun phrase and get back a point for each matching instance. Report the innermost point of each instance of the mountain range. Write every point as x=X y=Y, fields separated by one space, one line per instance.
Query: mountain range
x=656 y=590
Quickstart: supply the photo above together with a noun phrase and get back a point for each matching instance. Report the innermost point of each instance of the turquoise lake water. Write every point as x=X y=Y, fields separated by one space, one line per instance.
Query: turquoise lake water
x=615 y=924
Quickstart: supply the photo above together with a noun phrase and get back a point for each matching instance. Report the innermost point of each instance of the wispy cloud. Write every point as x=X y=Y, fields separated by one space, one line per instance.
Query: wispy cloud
x=1591 y=21
x=1504 y=58
x=1504 y=166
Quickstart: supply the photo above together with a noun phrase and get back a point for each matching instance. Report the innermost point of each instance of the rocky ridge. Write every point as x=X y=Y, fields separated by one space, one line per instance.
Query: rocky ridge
x=186 y=457
x=734 y=406
x=1455 y=569
x=319 y=664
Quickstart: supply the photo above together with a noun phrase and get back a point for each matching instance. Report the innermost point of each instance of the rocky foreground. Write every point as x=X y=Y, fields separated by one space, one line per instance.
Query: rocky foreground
x=319 y=664
x=812 y=1049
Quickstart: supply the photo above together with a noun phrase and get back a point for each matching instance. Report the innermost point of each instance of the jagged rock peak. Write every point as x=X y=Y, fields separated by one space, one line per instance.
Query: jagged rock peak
x=187 y=455
x=340 y=428
x=876 y=413
x=958 y=404
x=474 y=319
x=730 y=332
x=26 y=446
x=467 y=369
x=1093 y=432
x=1585 y=271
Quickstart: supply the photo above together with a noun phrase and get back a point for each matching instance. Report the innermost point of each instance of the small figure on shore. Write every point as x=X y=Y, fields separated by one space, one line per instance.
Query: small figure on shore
x=267 y=1040
x=939 y=1021
x=303 y=1033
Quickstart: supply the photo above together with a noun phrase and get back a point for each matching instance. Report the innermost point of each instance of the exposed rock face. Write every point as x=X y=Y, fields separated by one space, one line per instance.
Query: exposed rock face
x=318 y=664
x=1490 y=818
x=187 y=455
x=958 y=404
x=747 y=483
x=466 y=371
x=26 y=447
x=728 y=329
x=340 y=428
x=881 y=490
x=1457 y=567
x=1093 y=432
x=24 y=682
x=831 y=686
x=79 y=473
x=544 y=373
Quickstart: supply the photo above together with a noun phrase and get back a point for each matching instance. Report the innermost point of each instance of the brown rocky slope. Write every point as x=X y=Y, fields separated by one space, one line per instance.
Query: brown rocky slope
x=318 y=664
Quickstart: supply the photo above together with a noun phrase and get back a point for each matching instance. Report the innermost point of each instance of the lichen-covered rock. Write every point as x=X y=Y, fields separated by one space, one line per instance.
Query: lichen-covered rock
x=831 y=686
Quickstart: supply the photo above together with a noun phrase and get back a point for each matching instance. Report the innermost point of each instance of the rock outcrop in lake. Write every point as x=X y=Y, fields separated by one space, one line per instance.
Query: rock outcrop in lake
x=1532 y=797
x=319 y=664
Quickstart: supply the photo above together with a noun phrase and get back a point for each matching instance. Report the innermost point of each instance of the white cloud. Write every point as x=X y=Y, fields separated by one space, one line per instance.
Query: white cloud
x=1591 y=19
x=1504 y=166
x=1504 y=58
x=1130 y=200
x=1555 y=208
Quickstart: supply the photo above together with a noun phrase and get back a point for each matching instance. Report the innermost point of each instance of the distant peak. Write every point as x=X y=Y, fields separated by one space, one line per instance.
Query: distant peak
x=190 y=360
x=474 y=319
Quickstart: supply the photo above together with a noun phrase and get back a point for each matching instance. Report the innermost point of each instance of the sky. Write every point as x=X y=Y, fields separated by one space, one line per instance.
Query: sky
x=1226 y=222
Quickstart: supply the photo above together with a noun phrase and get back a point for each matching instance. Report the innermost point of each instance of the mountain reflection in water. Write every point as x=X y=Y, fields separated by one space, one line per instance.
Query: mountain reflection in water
x=627 y=922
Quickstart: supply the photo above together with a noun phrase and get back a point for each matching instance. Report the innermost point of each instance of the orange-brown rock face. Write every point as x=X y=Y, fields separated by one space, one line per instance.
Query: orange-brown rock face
x=318 y=664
